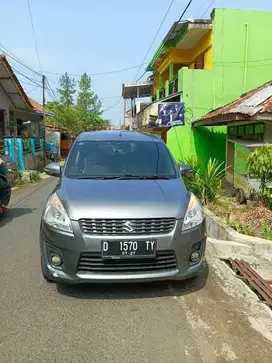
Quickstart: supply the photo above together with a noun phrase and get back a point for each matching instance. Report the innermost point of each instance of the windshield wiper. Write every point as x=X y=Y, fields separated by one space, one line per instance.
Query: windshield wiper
x=155 y=177
x=137 y=177
x=124 y=177
x=90 y=177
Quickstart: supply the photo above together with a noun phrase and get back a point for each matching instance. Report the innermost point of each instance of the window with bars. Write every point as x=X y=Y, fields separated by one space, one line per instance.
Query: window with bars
x=250 y=131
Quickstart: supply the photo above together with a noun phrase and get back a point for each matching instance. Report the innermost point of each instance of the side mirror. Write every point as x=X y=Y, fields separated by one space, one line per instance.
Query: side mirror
x=185 y=169
x=53 y=169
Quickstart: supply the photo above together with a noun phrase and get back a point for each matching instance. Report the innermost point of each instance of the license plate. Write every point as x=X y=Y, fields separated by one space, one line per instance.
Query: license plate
x=128 y=249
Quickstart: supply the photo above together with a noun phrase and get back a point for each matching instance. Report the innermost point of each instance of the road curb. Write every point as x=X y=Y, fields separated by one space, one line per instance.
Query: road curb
x=217 y=229
x=20 y=194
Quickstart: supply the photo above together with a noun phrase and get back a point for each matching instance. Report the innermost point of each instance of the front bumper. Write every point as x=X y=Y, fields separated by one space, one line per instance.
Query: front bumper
x=71 y=248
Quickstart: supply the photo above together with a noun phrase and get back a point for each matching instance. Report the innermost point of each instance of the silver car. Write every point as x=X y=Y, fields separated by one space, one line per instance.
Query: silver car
x=121 y=213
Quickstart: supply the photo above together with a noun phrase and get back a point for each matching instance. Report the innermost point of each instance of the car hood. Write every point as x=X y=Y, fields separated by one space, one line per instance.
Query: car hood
x=123 y=199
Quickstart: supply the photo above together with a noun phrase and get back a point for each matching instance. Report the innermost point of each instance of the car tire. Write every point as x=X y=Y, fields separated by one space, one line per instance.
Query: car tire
x=47 y=279
x=240 y=196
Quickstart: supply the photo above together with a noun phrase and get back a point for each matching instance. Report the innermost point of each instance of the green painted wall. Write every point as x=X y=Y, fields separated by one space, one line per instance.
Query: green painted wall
x=235 y=33
x=203 y=142
x=166 y=88
x=238 y=36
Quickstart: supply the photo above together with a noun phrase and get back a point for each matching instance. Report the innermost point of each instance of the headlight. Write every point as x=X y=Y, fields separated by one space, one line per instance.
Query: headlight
x=194 y=214
x=56 y=216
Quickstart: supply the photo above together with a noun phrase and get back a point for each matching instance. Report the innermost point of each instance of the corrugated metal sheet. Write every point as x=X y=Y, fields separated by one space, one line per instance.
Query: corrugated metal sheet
x=254 y=103
x=257 y=100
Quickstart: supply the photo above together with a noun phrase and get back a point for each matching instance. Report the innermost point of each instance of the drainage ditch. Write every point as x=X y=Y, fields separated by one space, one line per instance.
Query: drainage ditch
x=261 y=287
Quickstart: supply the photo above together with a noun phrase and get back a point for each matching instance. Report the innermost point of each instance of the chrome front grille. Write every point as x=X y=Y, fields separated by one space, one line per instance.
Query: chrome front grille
x=108 y=227
x=92 y=262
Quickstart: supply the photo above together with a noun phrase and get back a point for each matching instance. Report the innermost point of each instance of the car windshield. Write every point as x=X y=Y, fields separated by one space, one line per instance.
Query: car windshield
x=120 y=159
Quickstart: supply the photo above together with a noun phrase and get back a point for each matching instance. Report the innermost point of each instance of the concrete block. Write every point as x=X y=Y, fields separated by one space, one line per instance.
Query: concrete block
x=217 y=229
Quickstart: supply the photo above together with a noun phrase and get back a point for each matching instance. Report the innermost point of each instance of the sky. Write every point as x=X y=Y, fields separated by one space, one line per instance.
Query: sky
x=94 y=36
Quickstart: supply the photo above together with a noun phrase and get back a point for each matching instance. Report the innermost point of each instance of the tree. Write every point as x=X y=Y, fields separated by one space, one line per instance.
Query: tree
x=85 y=114
x=88 y=105
x=65 y=115
x=67 y=90
x=87 y=100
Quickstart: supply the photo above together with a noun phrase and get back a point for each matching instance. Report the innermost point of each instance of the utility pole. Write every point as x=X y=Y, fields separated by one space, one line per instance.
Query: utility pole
x=43 y=101
x=124 y=120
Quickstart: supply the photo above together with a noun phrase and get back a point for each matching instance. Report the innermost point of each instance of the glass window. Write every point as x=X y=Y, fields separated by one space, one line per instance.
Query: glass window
x=241 y=130
x=249 y=130
x=113 y=158
x=259 y=129
x=233 y=131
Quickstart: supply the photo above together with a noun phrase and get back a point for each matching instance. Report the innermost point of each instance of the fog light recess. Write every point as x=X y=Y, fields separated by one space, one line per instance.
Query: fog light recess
x=56 y=260
x=195 y=256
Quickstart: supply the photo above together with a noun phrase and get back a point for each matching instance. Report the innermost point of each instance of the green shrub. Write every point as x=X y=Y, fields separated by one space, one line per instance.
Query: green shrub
x=34 y=177
x=17 y=179
x=259 y=164
x=241 y=228
x=205 y=182
x=266 y=231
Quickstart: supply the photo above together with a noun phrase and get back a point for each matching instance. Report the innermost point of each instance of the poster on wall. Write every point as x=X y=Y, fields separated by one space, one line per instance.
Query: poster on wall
x=171 y=114
x=53 y=137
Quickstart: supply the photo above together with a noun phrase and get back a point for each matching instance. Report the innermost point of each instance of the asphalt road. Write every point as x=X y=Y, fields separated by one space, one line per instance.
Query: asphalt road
x=153 y=323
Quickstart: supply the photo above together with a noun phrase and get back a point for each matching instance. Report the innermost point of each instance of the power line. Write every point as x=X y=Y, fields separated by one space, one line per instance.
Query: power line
x=207 y=8
x=11 y=55
x=50 y=90
x=33 y=89
x=6 y=51
x=23 y=75
x=155 y=37
x=109 y=97
x=30 y=84
x=34 y=34
x=184 y=11
x=95 y=74
x=141 y=76
x=113 y=105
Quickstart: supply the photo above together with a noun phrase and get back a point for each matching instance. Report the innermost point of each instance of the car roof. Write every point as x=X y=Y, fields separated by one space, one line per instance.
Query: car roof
x=118 y=135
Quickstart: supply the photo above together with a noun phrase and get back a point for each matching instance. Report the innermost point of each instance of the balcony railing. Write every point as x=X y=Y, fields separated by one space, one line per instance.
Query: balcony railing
x=173 y=86
x=162 y=93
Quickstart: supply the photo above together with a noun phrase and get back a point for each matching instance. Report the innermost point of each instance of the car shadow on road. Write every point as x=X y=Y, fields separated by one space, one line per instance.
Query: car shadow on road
x=13 y=213
x=135 y=290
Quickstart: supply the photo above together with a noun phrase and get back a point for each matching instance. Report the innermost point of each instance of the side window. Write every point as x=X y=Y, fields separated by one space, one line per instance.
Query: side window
x=75 y=162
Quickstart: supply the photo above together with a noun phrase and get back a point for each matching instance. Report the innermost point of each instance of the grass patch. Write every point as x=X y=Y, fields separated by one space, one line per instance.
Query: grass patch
x=34 y=177
x=252 y=219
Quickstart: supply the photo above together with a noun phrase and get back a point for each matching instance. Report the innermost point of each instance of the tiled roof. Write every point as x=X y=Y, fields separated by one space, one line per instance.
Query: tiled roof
x=36 y=106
